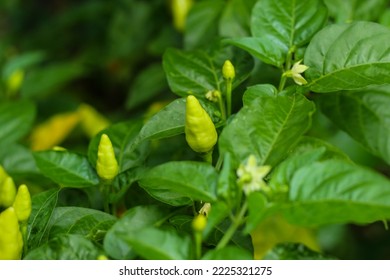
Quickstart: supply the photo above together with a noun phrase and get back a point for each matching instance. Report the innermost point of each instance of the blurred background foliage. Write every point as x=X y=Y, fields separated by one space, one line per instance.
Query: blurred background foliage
x=74 y=67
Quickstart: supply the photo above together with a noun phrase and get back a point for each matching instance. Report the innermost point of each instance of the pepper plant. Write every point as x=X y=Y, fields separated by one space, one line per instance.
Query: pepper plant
x=240 y=164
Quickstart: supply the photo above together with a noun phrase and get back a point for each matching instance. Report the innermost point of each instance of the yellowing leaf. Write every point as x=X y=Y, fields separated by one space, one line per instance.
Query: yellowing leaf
x=92 y=122
x=276 y=230
x=53 y=131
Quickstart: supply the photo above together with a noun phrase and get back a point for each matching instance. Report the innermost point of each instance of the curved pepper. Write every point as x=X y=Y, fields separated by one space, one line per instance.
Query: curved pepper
x=200 y=131
x=22 y=204
x=11 y=241
x=106 y=165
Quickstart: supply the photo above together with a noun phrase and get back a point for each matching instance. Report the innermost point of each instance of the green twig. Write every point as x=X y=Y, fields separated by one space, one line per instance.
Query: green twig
x=233 y=227
x=229 y=97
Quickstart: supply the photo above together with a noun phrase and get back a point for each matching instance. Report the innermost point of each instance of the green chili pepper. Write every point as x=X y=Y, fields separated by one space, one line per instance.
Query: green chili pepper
x=11 y=241
x=200 y=131
x=106 y=165
x=22 y=204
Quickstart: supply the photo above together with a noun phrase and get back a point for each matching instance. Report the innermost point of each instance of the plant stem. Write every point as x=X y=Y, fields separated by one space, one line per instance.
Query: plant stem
x=229 y=96
x=208 y=157
x=105 y=188
x=23 y=229
x=222 y=108
x=233 y=227
x=198 y=245
x=287 y=67
x=282 y=82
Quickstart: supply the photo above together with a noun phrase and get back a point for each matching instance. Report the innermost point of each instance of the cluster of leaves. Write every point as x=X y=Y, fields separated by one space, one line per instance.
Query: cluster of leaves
x=162 y=183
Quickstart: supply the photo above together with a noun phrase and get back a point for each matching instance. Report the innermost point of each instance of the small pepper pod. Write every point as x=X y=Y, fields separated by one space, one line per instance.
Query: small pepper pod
x=22 y=204
x=11 y=241
x=106 y=166
x=200 y=131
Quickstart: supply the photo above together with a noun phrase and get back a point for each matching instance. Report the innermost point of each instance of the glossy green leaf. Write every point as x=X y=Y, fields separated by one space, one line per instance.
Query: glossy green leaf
x=66 y=247
x=228 y=253
x=258 y=90
x=364 y=115
x=201 y=27
x=234 y=21
x=134 y=220
x=263 y=48
x=16 y=119
x=336 y=191
x=18 y=160
x=131 y=222
x=294 y=251
x=267 y=128
x=168 y=122
x=353 y=10
x=308 y=144
x=297 y=21
x=123 y=136
x=179 y=183
x=287 y=23
x=199 y=71
x=342 y=57
x=284 y=172
x=43 y=205
x=149 y=83
x=159 y=244
x=66 y=169
x=90 y=223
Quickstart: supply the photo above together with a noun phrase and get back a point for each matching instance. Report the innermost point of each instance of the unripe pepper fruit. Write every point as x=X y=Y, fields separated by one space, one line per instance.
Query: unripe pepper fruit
x=200 y=131
x=11 y=241
x=106 y=165
x=22 y=204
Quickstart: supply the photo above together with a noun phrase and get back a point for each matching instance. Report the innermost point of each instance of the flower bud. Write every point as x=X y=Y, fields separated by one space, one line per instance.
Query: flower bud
x=228 y=71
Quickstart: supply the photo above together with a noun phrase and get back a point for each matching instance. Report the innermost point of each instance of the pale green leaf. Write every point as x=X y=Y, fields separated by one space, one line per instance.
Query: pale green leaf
x=66 y=168
x=342 y=57
x=364 y=115
x=336 y=191
x=179 y=183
